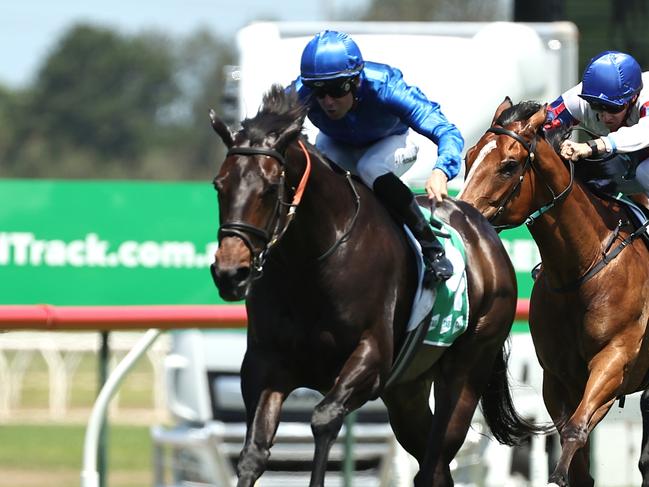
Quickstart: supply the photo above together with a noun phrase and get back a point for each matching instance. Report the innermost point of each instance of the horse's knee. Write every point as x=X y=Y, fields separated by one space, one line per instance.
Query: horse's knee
x=574 y=434
x=327 y=418
x=252 y=461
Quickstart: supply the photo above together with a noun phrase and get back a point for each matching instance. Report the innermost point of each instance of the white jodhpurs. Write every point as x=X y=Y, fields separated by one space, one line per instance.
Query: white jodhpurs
x=395 y=154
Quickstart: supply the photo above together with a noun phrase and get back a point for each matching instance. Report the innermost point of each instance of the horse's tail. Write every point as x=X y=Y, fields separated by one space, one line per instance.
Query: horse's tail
x=507 y=426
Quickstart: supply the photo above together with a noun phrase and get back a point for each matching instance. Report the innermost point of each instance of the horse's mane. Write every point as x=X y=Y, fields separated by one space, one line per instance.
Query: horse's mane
x=556 y=135
x=523 y=111
x=280 y=109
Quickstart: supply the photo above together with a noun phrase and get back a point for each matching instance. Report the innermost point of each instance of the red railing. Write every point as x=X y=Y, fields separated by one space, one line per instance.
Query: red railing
x=49 y=317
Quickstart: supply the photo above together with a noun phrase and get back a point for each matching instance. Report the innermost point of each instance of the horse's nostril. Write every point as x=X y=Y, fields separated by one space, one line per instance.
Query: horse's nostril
x=231 y=276
x=241 y=274
x=232 y=283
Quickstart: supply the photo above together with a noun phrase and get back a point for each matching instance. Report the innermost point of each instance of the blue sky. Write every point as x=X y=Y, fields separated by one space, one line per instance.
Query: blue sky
x=30 y=28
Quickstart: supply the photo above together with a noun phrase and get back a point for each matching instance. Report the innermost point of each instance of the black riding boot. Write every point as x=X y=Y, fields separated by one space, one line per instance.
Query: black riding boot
x=398 y=198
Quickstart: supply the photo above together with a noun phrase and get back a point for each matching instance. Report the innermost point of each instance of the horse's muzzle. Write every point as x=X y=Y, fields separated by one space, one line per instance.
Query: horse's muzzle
x=231 y=270
x=232 y=284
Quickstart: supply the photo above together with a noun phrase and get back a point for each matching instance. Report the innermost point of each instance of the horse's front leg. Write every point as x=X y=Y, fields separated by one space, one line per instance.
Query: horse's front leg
x=604 y=380
x=643 y=464
x=358 y=382
x=264 y=387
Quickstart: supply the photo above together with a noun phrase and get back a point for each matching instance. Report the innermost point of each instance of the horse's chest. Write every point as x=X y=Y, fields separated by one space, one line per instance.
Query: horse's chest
x=311 y=344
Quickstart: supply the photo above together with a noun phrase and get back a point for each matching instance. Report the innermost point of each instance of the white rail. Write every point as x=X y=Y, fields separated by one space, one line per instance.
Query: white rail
x=62 y=354
x=89 y=473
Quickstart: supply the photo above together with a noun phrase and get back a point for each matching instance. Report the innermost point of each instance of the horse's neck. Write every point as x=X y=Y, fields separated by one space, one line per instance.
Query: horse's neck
x=326 y=209
x=570 y=236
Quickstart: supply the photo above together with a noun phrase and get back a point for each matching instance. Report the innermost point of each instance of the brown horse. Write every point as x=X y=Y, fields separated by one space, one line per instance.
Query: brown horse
x=329 y=280
x=590 y=303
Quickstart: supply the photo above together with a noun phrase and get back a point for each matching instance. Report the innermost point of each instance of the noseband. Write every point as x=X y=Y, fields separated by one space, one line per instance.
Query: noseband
x=529 y=162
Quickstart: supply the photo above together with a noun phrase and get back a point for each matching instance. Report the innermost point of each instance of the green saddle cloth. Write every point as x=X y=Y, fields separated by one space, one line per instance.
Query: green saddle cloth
x=450 y=316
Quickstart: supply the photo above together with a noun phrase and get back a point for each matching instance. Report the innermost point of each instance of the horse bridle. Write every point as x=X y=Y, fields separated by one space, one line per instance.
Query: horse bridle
x=244 y=230
x=609 y=254
x=529 y=162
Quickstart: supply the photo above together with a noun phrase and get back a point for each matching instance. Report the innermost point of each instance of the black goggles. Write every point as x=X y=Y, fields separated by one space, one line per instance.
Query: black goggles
x=605 y=107
x=335 y=89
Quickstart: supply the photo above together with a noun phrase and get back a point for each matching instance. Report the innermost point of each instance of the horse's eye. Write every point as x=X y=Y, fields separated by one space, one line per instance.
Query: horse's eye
x=271 y=189
x=508 y=167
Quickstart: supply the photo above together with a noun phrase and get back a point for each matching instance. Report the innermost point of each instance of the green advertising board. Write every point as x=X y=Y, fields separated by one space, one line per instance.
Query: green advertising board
x=126 y=243
x=524 y=255
x=106 y=243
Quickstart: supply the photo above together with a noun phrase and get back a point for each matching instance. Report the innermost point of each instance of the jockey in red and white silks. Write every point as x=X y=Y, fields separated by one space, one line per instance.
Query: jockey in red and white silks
x=609 y=101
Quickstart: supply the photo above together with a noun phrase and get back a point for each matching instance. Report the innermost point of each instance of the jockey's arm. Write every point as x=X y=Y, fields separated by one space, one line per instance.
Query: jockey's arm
x=425 y=117
x=629 y=139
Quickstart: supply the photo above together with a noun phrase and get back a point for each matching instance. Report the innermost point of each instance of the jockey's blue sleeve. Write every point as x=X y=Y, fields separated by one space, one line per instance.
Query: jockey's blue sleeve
x=425 y=117
x=388 y=106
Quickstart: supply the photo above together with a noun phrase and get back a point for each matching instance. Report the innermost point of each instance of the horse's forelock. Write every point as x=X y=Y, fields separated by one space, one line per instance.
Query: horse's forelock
x=523 y=111
x=519 y=112
x=556 y=135
x=280 y=110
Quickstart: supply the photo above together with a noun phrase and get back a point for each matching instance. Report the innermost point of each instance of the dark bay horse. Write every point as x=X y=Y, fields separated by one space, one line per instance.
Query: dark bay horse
x=329 y=279
x=588 y=319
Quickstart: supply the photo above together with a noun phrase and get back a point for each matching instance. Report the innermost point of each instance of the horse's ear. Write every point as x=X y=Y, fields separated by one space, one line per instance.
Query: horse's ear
x=222 y=129
x=536 y=121
x=504 y=105
x=290 y=133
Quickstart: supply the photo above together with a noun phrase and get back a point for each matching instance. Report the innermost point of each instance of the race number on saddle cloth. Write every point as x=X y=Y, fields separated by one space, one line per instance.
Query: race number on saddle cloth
x=449 y=300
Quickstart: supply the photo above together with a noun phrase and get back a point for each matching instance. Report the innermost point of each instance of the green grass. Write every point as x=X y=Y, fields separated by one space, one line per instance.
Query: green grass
x=61 y=446
x=37 y=454
x=46 y=454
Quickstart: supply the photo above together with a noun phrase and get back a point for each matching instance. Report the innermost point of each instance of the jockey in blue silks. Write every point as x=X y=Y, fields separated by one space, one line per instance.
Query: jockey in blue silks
x=365 y=112
x=610 y=101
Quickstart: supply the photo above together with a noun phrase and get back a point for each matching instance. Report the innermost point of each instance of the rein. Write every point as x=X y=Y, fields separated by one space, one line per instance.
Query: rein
x=529 y=162
x=345 y=235
x=244 y=230
x=609 y=255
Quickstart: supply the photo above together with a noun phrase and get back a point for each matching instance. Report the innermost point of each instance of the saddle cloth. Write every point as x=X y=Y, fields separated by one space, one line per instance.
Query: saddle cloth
x=450 y=299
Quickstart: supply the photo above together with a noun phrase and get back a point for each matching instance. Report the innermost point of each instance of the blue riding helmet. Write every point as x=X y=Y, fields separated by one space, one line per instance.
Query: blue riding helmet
x=611 y=78
x=330 y=55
